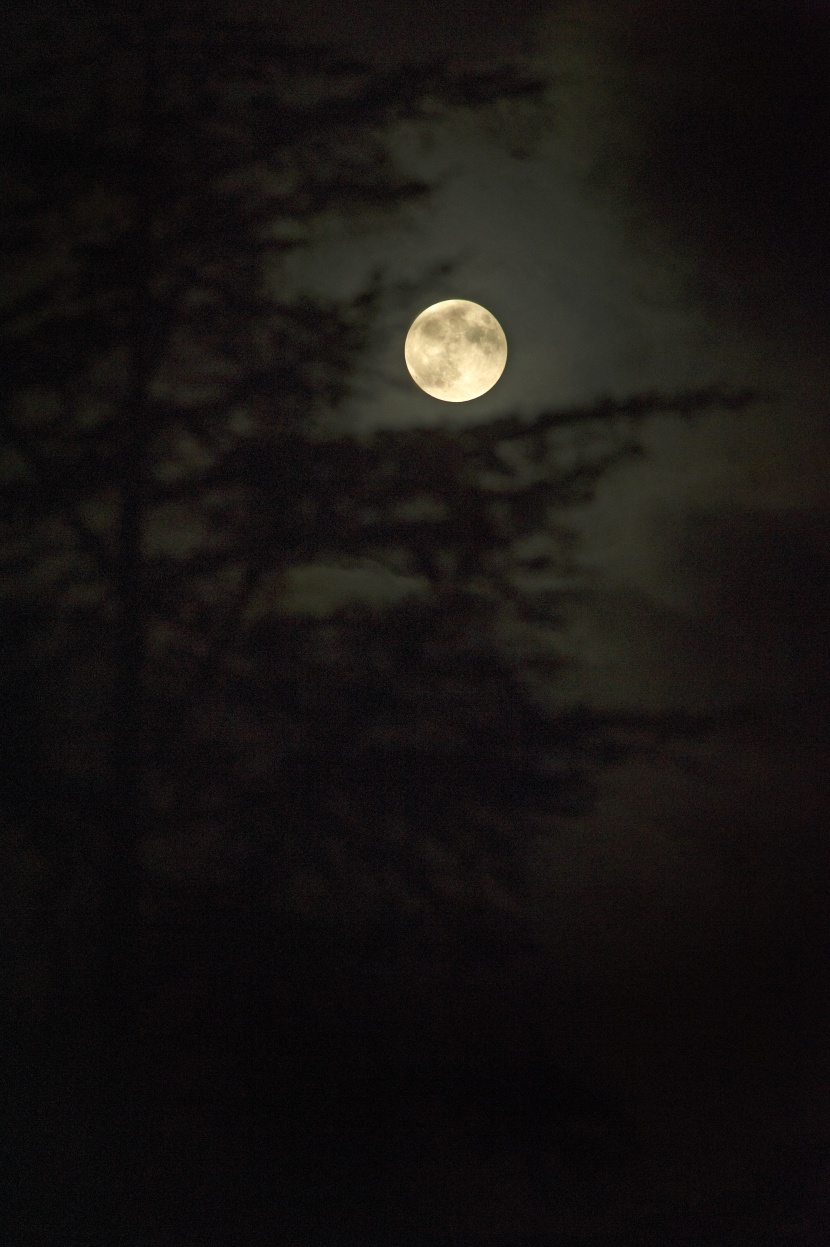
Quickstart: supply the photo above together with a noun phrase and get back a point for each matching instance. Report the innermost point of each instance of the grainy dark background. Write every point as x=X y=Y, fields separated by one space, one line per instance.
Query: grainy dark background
x=648 y=1063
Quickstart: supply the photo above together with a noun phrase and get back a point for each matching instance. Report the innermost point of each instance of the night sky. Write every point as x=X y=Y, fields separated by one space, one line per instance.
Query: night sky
x=656 y=222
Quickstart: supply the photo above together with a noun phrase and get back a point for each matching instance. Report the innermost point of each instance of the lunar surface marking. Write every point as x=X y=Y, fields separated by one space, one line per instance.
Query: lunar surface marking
x=455 y=350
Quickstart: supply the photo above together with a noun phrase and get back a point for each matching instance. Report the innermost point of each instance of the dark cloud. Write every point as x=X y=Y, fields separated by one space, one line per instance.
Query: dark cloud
x=766 y=575
x=736 y=102
x=463 y=31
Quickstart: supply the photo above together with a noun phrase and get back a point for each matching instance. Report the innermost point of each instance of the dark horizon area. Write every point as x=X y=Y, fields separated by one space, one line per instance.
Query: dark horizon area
x=413 y=815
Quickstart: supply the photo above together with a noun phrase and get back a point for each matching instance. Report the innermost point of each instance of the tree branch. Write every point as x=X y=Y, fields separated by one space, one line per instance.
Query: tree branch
x=53 y=486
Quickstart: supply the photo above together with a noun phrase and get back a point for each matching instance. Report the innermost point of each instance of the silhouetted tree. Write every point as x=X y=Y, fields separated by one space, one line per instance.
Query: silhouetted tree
x=165 y=469
x=145 y=330
x=378 y=772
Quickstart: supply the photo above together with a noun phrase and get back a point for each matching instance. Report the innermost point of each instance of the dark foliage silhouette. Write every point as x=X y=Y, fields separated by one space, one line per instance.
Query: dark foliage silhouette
x=221 y=793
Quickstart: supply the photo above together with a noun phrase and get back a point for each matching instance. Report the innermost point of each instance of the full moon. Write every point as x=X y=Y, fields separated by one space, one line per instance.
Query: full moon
x=455 y=350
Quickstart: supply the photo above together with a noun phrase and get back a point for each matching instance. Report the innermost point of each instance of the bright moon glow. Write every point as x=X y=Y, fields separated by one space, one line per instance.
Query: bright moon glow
x=455 y=350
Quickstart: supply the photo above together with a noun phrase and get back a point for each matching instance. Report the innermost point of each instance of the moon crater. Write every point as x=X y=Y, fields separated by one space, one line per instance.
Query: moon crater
x=455 y=350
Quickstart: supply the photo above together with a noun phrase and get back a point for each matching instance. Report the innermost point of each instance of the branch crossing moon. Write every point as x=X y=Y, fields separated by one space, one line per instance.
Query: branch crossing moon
x=455 y=350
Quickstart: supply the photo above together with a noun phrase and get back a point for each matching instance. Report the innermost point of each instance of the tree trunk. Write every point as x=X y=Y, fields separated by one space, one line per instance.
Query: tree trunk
x=145 y=336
